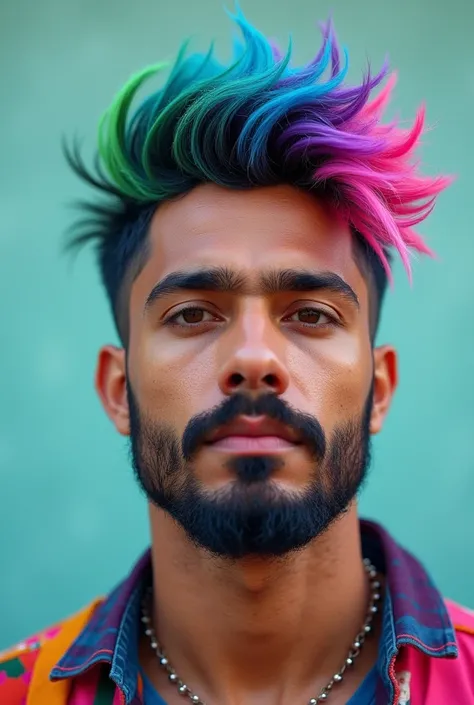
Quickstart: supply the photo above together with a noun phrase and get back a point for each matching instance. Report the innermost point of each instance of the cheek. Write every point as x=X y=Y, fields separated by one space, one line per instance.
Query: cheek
x=173 y=382
x=334 y=376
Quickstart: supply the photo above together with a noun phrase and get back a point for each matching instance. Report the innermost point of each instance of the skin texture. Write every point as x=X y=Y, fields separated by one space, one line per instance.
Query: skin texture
x=257 y=629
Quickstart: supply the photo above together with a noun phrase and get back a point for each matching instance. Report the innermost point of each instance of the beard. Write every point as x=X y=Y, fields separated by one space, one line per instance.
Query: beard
x=252 y=515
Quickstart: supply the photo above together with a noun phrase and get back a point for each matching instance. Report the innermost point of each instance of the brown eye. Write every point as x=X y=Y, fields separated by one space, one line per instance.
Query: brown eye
x=310 y=315
x=192 y=315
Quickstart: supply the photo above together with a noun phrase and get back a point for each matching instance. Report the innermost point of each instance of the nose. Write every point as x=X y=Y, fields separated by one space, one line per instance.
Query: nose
x=252 y=363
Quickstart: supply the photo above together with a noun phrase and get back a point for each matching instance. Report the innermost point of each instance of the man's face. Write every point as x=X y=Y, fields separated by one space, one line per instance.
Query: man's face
x=251 y=393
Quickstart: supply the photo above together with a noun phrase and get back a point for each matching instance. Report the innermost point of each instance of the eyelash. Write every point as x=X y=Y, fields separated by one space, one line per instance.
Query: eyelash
x=172 y=319
x=332 y=320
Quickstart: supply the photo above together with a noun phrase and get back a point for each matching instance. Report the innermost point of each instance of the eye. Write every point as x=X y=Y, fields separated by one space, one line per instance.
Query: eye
x=190 y=316
x=313 y=317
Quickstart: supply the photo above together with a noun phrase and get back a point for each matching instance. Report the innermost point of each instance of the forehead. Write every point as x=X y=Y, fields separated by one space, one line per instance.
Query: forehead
x=253 y=230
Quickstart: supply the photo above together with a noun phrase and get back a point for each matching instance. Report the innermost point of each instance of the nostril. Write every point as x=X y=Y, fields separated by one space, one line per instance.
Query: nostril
x=271 y=380
x=236 y=379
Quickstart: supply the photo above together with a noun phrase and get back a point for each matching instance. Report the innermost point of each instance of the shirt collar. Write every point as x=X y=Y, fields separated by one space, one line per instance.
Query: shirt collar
x=420 y=616
x=419 y=612
x=98 y=640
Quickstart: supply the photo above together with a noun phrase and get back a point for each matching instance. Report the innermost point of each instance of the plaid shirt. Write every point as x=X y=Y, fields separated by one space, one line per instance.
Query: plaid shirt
x=414 y=614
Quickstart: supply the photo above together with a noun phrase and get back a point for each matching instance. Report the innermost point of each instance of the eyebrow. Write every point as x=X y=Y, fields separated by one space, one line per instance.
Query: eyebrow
x=226 y=280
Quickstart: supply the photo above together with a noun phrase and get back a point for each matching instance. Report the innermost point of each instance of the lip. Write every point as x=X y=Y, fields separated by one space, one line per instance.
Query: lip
x=253 y=434
x=252 y=445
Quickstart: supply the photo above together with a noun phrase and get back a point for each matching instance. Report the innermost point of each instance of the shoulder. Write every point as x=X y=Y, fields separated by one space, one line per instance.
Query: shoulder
x=17 y=664
x=37 y=655
x=462 y=619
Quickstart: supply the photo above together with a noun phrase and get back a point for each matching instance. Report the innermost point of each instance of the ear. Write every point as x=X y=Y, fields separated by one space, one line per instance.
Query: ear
x=385 y=384
x=110 y=384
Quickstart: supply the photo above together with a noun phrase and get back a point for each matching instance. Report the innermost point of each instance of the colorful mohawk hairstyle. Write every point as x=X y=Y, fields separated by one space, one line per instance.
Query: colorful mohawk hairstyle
x=256 y=122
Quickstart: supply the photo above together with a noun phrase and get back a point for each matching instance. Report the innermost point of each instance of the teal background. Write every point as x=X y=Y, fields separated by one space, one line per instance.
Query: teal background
x=71 y=518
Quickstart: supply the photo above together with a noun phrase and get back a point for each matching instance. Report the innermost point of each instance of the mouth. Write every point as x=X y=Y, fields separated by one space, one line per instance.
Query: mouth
x=253 y=436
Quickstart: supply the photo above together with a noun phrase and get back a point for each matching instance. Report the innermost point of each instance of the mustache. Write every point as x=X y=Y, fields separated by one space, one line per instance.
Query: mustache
x=200 y=426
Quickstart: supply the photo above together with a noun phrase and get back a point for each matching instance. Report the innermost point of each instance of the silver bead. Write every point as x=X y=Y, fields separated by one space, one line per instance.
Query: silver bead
x=373 y=573
x=376 y=596
x=376 y=584
x=154 y=644
x=173 y=677
x=374 y=609
x=367 y=628
x=323 y=697
x=313 y=701
x=337 y=678
x=349 y=661
x=183 y=689
x=195 y=698
x=145 y=619
x=148 y=631
x=356 y=645
x=164 y=661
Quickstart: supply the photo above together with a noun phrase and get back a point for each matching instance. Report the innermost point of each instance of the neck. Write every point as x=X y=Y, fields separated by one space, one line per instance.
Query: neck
x=241 y=628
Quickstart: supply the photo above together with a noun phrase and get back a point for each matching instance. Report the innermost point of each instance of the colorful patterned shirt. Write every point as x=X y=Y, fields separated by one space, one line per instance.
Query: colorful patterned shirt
x=93 y=657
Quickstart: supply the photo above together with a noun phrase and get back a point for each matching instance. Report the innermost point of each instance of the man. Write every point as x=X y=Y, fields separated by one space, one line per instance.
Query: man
x=244 y=242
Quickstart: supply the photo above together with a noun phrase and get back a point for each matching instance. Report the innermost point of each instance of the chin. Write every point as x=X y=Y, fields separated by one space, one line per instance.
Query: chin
x=269 y=492
x=263 y=469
